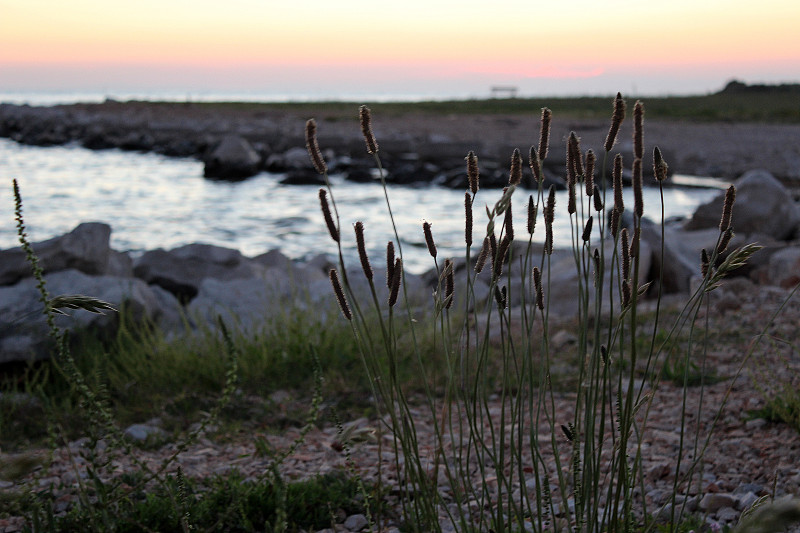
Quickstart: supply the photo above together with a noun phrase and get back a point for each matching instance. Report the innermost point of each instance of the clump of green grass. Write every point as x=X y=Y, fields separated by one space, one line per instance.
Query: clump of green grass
x=498 y=371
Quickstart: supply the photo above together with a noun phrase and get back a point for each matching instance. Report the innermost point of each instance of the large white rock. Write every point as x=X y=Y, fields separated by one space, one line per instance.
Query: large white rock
x=763 y=205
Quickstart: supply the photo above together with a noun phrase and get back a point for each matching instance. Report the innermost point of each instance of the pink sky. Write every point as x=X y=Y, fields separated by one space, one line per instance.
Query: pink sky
x=347 y=47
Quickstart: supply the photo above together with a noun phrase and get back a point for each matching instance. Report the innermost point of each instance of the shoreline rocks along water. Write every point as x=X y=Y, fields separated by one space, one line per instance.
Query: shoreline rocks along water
x=238 y=141
x=198 y=282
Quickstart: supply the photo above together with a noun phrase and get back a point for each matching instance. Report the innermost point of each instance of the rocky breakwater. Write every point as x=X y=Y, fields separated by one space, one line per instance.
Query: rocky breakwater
x=196 y=283
x=238 y=140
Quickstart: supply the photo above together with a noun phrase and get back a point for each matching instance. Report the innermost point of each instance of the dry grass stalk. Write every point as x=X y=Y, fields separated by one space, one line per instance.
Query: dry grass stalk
x=660 y=167
x=365 y=118
x=326 y=213
x=626 y=258
x=362 y=250
x=617 y=174
x=313 y=147
x=591 y=160
x=389 y=264
x=544 y=134
x=337 y=290
x=535 y=164
x=397 y=274
x=482 y=256
x=727 y=208
x=587 y=229
x=468 y=218
x=515 y=175
x=426 y=229
x=616 y=122
x=473 y=174
x=638 y=197
x=449 y=283
x=537 y=284
x=531 y=215
x=638 y=130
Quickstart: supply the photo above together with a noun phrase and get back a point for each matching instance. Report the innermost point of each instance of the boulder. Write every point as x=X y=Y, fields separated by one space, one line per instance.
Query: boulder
x=784 y=268
x=86 y=248
x=24 y=333
x=232 y=159
x=763 y=205
x=182 y=270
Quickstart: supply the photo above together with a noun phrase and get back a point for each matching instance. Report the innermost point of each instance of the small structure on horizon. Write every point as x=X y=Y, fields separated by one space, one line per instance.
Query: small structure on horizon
x=504 y=91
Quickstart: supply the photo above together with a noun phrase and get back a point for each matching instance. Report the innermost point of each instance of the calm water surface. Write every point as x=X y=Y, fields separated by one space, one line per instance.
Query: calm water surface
x=152 y=201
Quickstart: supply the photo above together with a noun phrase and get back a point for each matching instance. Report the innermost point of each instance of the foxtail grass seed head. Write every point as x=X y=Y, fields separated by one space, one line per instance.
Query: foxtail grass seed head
x=614 y=222
x=587 y=229
x=549 y=215
x=598 y=200
x=500 y=296
x=597 y=265
x=337 y=290
x=500 y=258
x=638 y=195
x=508 y=223
x=473 y=174
x=449 y=283
x=535 y=164
x=365 y=117
x=537 y=284
x=468 y=218
x=362 y=250
x=482 y=256
x=724 y=241
x=617 y=174
x=574 y=153
x=396 y=277
x=638 y=130
x=604 y=354
x=544 y=134
x=531 y=215
x=426 y=229
x=660 y=167
x=704 y=262
x=326 y=213
x=591 y=160
x=389 y=264
x=515 y=175
x=313 y=147
x=626 y=259
x=637 y=237
x=626 y=293
x=616 y=122
x=727 y=208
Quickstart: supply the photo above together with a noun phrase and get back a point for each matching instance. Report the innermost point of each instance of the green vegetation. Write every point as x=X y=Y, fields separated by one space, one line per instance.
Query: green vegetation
x=768 y=105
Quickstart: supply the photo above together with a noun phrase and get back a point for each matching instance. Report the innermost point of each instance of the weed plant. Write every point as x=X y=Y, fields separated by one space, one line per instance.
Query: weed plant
x=160 y=497
x=508 y=450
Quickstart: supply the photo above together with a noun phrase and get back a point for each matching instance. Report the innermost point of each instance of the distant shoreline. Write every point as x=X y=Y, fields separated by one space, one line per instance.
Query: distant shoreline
x=439 y=133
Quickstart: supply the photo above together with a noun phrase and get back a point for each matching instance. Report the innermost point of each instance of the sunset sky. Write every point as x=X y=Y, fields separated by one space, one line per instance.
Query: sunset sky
x=340 y=48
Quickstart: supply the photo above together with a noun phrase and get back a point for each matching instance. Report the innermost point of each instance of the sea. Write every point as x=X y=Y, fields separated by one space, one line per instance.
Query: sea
x=152 y=201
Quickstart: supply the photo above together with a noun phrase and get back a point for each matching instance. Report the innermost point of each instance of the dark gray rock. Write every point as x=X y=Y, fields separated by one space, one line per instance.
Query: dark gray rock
x=86 y=248
x=24 y=333
x=232 y=159
x=181 y=270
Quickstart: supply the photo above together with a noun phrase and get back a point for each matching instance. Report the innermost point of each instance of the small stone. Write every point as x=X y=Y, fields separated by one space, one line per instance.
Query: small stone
x=756 y=423
x=356 y=522
x=141 y=432
x=745 y=500
x=714 y=501
x=727 y=514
